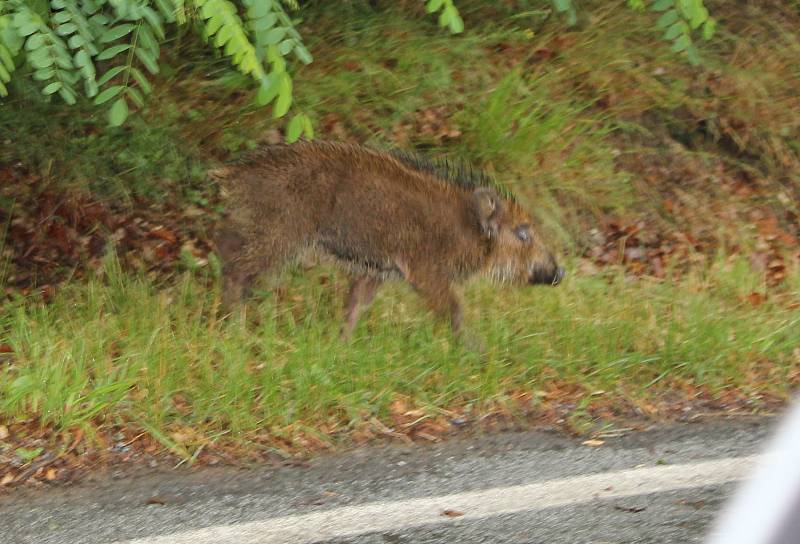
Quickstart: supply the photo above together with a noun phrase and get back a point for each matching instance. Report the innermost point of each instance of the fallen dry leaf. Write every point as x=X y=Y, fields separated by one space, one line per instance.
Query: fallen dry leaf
x=452 y=513
x=76 y=441
x=6 y=479
x=51 y=474
x=593 y=443
x=164 y=234
x=156 y=500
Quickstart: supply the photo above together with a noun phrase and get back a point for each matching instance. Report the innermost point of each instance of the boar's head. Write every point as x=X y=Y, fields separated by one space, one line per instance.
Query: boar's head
x=518 y=253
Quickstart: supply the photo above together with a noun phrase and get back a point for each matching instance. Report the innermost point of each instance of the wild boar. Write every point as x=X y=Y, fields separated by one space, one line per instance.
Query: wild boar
x=381 y=215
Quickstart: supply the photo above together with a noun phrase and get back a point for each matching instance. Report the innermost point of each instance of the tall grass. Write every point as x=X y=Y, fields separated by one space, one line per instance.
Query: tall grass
x=119 y=350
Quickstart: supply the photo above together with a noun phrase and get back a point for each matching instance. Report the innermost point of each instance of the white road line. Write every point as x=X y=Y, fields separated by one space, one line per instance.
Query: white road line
x=351 y=521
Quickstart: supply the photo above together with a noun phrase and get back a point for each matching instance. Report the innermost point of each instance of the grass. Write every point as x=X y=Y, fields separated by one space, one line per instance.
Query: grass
x=587 y=125
x=118 y=351
x=143 y=159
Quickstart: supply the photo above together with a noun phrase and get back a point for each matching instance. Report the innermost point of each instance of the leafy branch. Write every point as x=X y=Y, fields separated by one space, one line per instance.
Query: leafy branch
x=113 y=46
x=679 y=19
x=448 y=14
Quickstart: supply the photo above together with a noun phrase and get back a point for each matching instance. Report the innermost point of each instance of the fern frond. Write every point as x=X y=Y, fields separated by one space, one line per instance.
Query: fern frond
x=225 y=27
x=139 y=40
x=679 y=19
x=73 y=25
x=47 y=53
x=10 y=45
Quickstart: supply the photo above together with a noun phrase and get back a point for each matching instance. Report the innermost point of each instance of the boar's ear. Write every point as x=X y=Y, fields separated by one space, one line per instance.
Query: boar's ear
x=488 y=209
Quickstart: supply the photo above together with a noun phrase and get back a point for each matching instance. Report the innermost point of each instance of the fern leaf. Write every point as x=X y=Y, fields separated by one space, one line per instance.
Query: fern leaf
x=223 y=20
x=75 y=27
x=47 y=53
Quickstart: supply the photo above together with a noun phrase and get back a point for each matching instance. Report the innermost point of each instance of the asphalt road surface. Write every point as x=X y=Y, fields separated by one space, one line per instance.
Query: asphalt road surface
x=658 y=486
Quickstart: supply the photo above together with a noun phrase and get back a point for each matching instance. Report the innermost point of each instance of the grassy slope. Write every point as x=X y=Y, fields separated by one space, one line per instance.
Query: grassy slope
x=582 y=125
x=129 y=353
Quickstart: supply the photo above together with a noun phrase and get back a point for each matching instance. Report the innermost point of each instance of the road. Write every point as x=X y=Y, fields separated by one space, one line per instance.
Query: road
x=658 y=486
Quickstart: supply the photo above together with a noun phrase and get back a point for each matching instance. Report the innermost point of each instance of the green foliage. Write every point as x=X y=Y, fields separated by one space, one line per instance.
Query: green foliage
x=47 y=52
x=680 y=18
x=300 y=125
x=110 y=48
x=568 y=8
x=113 y=46
x=151 y=161
x=449 y=16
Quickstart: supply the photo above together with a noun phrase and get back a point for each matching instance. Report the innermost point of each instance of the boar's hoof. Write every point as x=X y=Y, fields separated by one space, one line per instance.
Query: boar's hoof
x=558 y=276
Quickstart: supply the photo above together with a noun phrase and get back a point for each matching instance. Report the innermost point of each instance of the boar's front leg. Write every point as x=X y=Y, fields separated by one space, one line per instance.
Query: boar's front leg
x=446 y=304
x=439 y=295
x=362 y=291
x=441 y=299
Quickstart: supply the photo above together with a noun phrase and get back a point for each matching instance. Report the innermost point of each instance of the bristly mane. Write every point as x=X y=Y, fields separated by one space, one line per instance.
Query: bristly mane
x=459 y=172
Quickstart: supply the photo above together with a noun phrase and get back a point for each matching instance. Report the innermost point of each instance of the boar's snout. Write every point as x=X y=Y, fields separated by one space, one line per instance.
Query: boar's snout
x=551 y=275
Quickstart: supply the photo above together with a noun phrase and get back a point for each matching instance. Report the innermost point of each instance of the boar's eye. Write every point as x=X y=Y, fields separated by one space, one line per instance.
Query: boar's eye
x=523 y=232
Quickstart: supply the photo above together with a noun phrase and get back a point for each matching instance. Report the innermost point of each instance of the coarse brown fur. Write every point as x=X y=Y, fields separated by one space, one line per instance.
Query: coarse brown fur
x=381 y=215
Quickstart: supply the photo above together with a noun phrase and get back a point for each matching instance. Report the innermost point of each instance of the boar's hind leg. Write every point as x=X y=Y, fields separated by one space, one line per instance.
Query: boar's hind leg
x=236 y=284
x=362 y=291
x=230 y=246
x=243 y=261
